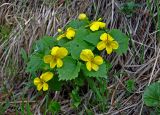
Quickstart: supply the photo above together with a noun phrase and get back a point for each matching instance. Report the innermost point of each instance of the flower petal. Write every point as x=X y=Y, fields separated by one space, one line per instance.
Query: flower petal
x=109 y=38
x=47 y=58
x=95 y=67
x=54 y=50
x=103 y=37
x=59 y=63
x=89 y=65
x=94 y=26
x=102 y=24
x=46 y=76
x=70 y=33
x=101 y=45
x=114 y=45
x=86 y=55
x=62 y=52
x=45 y=86
x=53 y=63
x=39 y=86
x=37 y=81
x=98 y=60
x=109 y=49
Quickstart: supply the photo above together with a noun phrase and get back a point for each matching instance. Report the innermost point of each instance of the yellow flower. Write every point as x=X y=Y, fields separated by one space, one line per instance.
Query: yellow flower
x=70 y=33
x=91 y=61
x=107 y=43
x=96 y=25
x=82 y=16
x=40 y=82
x=57 y=53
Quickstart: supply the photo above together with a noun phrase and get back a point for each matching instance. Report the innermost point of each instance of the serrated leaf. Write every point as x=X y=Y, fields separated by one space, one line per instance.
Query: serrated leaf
x=45 y=44
x=102 y=71
x=81 y=33
x=94 y=37
x=76 y=47
x=77 y=24
x=152 y=95
x=122 y=40
x=35 y=63
x=63 y=41
x=69 y=70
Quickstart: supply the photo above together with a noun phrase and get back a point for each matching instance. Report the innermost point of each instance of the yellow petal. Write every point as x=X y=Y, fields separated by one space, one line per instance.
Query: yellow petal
x=62 y=52
x=89 y=66
x=103 y=37
x=46 y=76
x=47 y=58
x=60 y=36
x=102 y=24
x=53 y=63
x=45 y=86
x=86 y=55
x=109 y=38
x=95 y=67
x=37 y=81
x=39 y=86
x=70 y=33
x=101 y=45
x=82 y=16
x=114 y=45
x=109 y=49
x=59 y=63
x=94 y=26
x=54 y=50
x=98 y=60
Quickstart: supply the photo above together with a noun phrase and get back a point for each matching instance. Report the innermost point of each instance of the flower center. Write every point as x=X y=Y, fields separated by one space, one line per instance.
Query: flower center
x=55 y=58
x=42 y=81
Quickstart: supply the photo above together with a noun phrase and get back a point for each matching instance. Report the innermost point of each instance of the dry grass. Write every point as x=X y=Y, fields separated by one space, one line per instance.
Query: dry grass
x=30 y=20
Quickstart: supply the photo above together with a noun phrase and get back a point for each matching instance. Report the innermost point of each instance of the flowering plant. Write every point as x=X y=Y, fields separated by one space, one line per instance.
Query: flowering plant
x=75 y=54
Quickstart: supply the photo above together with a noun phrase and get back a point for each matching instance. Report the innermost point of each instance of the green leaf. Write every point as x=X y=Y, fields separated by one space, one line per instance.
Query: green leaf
x=81 y=33
x=35 y=63
x=69 y=70
x=130 y=85
x=76 y=47
x=78 y=23
x=55 y=84
x=152 y=95
x=79 y=81
x=54 y=106
x=93 y=37
x=63 y=41
x=122 y=40
x=102 y=71
x=45 y=44
x=76 y=100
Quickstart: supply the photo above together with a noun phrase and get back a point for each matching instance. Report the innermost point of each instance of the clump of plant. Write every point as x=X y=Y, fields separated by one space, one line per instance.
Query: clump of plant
x=73 y=58
x=151 y=96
